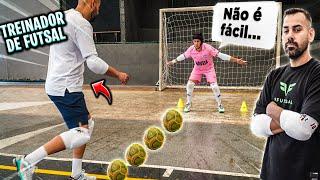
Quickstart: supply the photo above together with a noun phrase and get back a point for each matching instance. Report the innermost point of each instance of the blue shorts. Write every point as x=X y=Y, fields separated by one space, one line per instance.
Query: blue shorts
x=72 y=107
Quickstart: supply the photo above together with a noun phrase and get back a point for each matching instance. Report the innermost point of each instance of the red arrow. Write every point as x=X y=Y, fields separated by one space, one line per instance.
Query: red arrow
x=99 y=88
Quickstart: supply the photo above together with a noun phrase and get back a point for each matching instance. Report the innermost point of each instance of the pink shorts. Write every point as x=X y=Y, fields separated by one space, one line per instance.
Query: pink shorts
x=210 y=75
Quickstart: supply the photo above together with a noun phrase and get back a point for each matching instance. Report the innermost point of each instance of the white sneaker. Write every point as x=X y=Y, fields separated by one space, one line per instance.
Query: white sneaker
x=187 y=108
x=25 y=170
x=83 y=176
x=220 y=109
x=90 y=126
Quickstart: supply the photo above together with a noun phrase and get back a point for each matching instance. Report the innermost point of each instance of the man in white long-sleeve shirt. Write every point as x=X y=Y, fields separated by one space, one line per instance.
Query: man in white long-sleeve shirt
x=64 y=87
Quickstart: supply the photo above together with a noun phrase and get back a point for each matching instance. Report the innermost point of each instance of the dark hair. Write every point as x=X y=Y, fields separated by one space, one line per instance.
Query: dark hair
x=198 y=36
x=298 y=10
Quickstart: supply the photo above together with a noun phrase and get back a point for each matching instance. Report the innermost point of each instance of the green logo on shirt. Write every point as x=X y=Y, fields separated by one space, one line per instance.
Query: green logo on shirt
x=285 y=88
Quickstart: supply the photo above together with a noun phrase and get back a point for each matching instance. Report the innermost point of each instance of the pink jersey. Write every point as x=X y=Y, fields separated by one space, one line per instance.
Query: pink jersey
x=203 y=60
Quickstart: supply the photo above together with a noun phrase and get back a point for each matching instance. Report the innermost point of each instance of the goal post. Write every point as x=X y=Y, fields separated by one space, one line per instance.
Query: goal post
x=176 y=27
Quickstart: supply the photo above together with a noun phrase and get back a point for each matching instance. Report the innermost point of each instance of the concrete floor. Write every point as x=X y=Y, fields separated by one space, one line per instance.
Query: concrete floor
x=208 y=141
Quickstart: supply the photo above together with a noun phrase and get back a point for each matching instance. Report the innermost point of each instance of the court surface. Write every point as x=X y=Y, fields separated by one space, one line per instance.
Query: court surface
x=209 y=146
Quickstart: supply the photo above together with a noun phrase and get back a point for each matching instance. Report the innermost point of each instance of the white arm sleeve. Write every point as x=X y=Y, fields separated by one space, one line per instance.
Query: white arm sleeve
x=97 y=65
x=296 y=125
x=224 y=57
x=180 y=57
x=260 y=125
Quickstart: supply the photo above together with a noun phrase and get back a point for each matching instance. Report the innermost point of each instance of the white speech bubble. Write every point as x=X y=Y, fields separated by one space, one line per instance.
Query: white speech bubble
x=239 y=23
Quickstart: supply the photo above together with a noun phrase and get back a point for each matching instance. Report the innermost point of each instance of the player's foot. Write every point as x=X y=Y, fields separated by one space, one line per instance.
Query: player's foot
x=25 y=170
x=83 y=176
x=187 y=108
x=220 y=109
x=90 y=126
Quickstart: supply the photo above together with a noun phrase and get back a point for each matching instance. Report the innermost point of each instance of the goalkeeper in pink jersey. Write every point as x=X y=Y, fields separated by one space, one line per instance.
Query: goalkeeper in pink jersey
x=203 y=55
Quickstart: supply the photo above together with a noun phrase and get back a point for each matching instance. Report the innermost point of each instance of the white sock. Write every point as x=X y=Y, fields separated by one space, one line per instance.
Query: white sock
x=76 y=167
x=190 y=87
x=36 y=156
x=216 y=92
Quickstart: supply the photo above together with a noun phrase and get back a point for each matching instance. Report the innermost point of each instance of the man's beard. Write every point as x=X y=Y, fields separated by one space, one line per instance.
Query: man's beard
x=93 y=18
x=295 y=52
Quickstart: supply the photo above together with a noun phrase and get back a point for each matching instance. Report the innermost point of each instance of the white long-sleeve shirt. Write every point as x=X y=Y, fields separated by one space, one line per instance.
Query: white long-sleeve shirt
x=66 y=59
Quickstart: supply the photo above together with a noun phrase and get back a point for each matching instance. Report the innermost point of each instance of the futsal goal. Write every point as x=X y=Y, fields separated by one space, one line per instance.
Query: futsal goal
x=177 y=25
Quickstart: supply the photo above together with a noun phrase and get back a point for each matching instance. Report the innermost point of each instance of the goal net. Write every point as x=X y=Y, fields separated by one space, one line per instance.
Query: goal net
x=177 y=25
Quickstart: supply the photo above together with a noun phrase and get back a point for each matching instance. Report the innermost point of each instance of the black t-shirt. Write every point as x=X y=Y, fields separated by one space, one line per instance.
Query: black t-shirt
x=296 y=89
